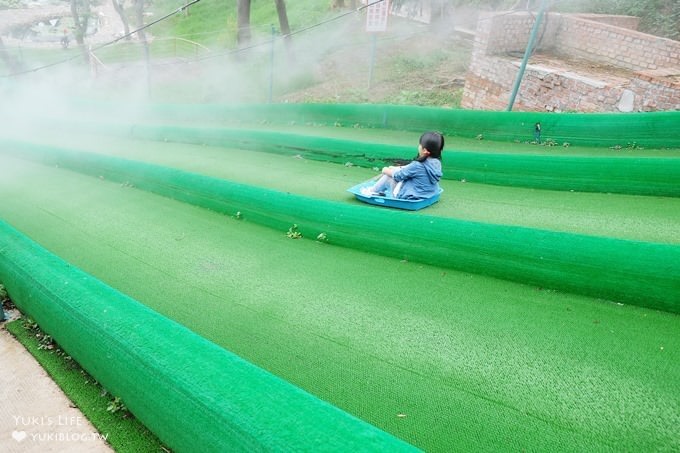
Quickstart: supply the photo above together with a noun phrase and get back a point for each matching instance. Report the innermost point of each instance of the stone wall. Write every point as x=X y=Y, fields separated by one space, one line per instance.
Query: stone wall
x=511 y=34
x=661 y=89
x=585 y=63
x=616 y=46
x=629 y=22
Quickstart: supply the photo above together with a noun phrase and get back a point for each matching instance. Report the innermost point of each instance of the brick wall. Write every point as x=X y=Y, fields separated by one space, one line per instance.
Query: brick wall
x=642 y=72
x=630 y=22
x=542 y=89
x=616 y=46
x=512 y=33
x=660 y=90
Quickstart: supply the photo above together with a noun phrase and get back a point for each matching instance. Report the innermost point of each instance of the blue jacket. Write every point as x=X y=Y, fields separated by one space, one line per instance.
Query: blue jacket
x=421 y=179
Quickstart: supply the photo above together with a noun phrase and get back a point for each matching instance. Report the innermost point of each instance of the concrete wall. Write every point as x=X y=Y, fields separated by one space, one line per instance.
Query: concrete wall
x=626 y=70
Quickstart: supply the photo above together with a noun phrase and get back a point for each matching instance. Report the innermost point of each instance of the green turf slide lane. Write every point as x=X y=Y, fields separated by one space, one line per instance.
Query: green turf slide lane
x=642 y=175
x=634 y=272
x=187 y=390
x=647 y=129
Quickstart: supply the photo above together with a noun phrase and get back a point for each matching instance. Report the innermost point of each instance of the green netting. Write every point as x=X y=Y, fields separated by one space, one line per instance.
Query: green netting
x=640 y=273
x=630 y=175
x=473 y=362
x=186 y=389
x=650 y=129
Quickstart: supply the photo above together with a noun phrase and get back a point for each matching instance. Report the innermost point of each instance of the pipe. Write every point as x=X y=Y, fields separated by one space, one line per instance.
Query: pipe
x=527 y=53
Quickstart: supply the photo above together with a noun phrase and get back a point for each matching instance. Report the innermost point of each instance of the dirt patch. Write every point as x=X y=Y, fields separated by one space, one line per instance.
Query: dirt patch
x=408 y=66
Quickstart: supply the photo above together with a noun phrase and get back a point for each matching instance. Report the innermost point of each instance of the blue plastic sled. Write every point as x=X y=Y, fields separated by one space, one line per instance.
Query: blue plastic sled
x=391 y=202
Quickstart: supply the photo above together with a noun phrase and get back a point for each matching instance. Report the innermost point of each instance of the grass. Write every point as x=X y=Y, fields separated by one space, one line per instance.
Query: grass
x=427 y=97
x=410 y=68
x=328 y=63
x=108 y=415
x=214 y=23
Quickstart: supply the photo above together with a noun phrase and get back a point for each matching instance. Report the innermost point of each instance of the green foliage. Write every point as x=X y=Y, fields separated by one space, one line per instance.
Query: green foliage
x=45 y=342
x=430 y=88
x=4 y=297
x=214 y=23
x=657 y=17
x=293 y=232
x=124 y=432
x=29 y=324
x=116 y=405
x=10 y=4
x=448 y=98
x=296 y=82
x=443 y=4
x=409 y=63
x=630 y=146
x=209 y=23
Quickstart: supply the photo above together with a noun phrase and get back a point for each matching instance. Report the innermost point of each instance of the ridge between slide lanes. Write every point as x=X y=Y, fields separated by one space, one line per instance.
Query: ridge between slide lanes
x=401 y=138
x=645 y=218
x=472 y=361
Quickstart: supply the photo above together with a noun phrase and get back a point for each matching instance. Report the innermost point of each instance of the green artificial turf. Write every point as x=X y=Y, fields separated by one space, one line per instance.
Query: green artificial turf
x=122 y=432
x=644 y=218
x=453 y=143
x=448 y=361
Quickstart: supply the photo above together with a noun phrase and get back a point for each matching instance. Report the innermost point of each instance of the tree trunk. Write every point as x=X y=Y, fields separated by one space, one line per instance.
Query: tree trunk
x=243 y=23
x=81 y=25
x=139 y=10
x=118 y=6
x=283 y=22
x=283 y=17
x=139 y=17
x=12 y=64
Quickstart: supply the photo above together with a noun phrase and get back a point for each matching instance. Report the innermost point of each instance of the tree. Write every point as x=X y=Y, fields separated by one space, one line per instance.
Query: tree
x=283 y=17
x=139 y=15
x=340 y=4
x=243 y=34
x=80 y=11
x=119 y=6
x=243 y=23
x=12 y=64
x=10 y=4
x=139 y=10
x=283 y=23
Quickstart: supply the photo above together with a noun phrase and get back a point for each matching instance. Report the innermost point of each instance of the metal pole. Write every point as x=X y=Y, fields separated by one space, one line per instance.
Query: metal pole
x=374 y=40
x=271 y=68
x=527 y=54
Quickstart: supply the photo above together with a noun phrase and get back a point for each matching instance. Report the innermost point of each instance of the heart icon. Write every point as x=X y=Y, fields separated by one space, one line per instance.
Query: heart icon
x=19 y=435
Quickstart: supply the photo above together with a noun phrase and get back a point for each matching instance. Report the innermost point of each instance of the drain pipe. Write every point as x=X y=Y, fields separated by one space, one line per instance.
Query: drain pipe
x=527 y=53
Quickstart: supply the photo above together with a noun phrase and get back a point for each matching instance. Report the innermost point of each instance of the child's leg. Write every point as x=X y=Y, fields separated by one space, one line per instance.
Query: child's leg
x=381 y=185
x=396 y=188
